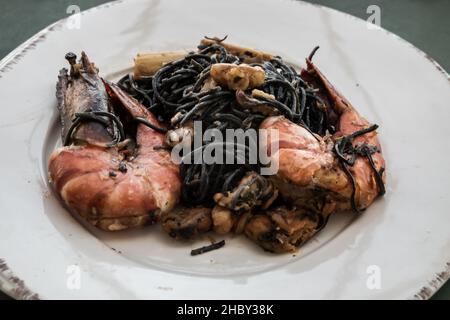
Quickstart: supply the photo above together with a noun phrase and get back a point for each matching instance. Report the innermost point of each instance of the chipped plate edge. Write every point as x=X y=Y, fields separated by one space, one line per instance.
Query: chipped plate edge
x=16 y=288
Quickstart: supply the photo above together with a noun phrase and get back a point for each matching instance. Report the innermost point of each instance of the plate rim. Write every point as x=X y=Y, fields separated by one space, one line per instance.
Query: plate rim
x=15 y=287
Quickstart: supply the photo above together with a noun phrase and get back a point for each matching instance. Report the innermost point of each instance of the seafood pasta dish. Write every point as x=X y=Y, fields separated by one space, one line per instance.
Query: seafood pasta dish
x=222 y=139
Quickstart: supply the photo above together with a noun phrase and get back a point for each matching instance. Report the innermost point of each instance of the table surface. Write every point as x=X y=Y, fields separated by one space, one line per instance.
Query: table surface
x=423 y=23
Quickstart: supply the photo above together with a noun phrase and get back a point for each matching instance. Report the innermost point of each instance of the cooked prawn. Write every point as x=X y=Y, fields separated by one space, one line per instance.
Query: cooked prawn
x=114 y=187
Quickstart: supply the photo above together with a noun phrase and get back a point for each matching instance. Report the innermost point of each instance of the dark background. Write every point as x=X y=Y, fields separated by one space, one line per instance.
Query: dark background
x=424 y=23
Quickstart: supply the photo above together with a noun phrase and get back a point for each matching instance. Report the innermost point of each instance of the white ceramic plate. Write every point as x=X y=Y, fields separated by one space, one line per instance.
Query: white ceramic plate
x=403 y=240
